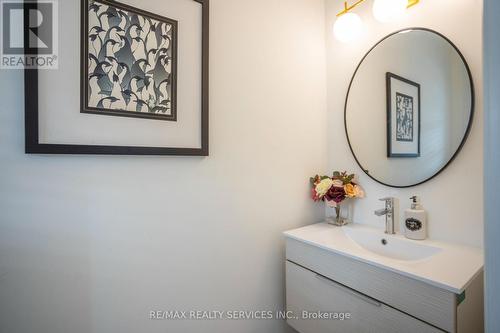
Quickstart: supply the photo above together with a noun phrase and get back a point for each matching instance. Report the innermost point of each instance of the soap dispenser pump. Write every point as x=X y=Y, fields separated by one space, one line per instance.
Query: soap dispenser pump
x=416 y=221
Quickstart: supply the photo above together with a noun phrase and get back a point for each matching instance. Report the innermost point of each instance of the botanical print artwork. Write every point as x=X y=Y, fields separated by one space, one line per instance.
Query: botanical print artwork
x=131 y=65
x=404 y=118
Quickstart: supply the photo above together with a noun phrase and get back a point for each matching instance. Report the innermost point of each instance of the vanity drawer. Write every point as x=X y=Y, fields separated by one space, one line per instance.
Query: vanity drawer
x=313 y=293
x=418 y=299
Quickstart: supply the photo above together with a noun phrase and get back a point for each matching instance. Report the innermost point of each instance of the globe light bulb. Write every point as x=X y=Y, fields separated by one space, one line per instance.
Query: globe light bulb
x=389 y=10
x=348 y=27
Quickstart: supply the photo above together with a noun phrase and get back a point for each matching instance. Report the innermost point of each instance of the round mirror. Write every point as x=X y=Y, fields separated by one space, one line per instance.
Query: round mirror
x=409 y=107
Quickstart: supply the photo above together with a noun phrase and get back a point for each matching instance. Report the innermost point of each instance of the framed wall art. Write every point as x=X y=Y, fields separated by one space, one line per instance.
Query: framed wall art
x=130 y=64
x=403 y=117
x=132 y=80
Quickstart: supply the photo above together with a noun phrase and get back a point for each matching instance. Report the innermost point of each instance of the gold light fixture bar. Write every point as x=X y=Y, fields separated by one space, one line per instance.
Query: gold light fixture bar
x=412 y=3
x=348 y=8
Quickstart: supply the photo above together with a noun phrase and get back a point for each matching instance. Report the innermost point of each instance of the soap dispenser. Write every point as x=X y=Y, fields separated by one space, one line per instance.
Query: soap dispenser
x=415 y=221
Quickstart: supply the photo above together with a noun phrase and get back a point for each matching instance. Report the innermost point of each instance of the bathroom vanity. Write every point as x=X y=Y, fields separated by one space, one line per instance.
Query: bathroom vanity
x=382 y=283
x=401 y=134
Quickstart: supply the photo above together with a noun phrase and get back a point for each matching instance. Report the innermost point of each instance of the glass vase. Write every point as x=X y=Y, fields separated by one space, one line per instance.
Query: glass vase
x=337 y=219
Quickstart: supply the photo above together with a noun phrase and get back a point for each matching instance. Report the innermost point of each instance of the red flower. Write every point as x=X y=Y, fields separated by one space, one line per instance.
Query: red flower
x=314 y=195
x=336 y=194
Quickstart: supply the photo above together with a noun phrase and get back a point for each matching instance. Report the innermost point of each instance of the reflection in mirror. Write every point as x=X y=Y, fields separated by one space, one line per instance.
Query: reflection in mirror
x=409 y=107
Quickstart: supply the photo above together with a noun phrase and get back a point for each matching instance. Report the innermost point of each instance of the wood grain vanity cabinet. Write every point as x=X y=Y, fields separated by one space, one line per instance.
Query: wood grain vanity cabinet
x=378 y=300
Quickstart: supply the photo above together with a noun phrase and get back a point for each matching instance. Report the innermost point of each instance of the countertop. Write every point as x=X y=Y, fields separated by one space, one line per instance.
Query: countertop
x=452 y=268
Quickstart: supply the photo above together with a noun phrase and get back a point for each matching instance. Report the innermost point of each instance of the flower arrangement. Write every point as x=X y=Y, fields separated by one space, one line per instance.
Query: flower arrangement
x=334 y=190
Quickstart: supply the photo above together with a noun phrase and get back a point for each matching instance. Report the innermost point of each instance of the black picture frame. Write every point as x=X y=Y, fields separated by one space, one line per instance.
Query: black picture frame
x=390 y=124
x=32 y=142
x=469 y=124
x=84 y=47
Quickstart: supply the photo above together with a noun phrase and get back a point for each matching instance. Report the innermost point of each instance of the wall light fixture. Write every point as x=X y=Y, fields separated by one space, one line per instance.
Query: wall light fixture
x=349 y=26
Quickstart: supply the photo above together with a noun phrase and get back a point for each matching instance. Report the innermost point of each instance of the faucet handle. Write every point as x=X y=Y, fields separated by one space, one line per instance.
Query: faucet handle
x=388 y=199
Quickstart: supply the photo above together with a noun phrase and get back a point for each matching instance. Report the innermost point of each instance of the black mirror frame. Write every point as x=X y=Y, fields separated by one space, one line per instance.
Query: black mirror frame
x=471 y=117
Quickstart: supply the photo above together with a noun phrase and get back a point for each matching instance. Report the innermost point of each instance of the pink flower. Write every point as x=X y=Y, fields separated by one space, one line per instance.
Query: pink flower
x=330 y=203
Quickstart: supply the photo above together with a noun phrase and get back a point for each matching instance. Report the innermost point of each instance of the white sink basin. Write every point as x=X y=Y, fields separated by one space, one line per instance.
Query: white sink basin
x=442 y=264
x=390 y=246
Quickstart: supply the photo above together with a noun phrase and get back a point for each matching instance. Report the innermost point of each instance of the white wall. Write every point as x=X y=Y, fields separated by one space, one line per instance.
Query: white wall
x=92 y=244
x=492 y=162
x=454 y=199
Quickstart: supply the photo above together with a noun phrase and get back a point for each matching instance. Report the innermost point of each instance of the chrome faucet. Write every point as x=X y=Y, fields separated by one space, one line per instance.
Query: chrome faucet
x=388 y=211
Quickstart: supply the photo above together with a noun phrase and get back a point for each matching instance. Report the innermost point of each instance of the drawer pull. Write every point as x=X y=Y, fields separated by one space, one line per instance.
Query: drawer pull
x=350 y=291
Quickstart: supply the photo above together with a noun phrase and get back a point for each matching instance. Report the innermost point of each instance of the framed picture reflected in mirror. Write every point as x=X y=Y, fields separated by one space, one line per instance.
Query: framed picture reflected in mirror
x=403 y=117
